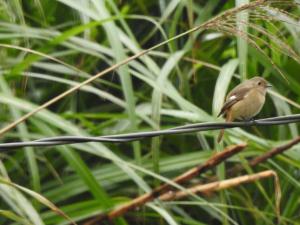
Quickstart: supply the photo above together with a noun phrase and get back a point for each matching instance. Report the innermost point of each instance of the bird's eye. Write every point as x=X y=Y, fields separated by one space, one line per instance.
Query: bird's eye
x=259 y=83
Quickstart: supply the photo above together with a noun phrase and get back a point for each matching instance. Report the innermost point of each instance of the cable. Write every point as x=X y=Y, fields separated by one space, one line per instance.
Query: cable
x=120 y=138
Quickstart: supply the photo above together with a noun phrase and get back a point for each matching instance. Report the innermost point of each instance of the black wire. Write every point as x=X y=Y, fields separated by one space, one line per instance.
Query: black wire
x=120 y=138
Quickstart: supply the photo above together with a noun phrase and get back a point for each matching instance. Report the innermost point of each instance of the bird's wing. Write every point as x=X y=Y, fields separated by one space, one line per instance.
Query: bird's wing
x=236 y=95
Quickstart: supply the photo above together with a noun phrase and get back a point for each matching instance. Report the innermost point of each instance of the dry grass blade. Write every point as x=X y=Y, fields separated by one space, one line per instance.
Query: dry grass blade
x=231 y=30
x=281 y=46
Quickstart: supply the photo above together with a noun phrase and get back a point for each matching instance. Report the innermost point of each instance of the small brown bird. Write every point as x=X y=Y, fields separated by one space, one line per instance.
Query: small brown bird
x=244 y=101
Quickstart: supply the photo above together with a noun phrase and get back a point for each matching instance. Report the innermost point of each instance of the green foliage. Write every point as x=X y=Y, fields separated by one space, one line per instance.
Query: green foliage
x=49 y=46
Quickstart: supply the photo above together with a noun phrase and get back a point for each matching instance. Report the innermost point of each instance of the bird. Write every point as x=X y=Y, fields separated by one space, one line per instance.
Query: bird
x=244 y=101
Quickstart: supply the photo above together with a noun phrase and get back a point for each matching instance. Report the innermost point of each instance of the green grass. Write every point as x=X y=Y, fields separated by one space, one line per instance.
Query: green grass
x=49 y=47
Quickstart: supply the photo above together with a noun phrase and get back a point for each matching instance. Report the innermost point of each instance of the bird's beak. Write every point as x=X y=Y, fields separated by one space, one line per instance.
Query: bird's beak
x=269 y=85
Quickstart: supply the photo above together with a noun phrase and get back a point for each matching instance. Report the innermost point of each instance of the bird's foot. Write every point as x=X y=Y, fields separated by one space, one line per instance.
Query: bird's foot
x=249 y=120
x=252 y=120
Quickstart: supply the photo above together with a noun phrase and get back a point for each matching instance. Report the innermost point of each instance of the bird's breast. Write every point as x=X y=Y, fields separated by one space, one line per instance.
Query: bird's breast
x=249 y=106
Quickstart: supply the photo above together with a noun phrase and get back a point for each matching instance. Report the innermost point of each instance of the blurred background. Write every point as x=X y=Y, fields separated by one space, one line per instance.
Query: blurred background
x=48 y=47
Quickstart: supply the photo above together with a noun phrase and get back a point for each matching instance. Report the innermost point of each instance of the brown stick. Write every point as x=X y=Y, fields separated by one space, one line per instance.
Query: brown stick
x=229 y=183
x=191 y=173
x=216 y=186
x=262 y=158
x=143 y=199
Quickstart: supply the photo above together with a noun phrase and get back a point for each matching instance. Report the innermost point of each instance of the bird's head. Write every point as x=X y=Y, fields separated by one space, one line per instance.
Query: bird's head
x=259 y=83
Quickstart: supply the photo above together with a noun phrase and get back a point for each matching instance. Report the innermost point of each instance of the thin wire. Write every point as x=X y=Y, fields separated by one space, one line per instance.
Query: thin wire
x=121 y=138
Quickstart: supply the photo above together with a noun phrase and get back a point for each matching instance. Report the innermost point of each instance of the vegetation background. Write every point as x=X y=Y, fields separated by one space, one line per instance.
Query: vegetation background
x=49 y=46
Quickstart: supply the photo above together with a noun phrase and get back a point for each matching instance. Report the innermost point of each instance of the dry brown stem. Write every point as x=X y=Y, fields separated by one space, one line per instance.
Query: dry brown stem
x=225 y=184
x=262 y=158
x=143 y=199
x=211 y=163
x=216 y=186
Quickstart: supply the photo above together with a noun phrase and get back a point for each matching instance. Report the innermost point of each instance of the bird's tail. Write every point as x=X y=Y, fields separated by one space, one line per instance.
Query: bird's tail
x=228 y=119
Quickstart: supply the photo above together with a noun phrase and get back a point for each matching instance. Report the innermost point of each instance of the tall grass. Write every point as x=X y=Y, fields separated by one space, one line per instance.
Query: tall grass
x=49 y=47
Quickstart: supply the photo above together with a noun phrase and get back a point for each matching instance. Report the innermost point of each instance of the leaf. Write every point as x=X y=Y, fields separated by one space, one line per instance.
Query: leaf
x=38 y=197
x=222 y=84
x=12 y=216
